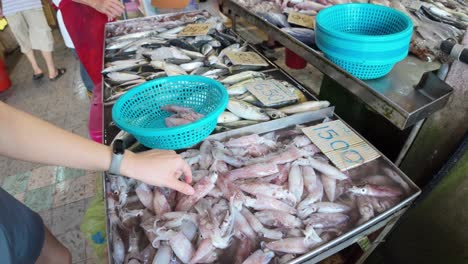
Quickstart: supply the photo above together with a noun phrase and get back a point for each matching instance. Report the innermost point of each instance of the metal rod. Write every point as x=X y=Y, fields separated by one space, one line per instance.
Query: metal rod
x=409 y=141
x=125 y=10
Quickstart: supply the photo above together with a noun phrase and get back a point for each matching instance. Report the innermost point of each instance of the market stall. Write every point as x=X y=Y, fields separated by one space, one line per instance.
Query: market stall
x=265 y=182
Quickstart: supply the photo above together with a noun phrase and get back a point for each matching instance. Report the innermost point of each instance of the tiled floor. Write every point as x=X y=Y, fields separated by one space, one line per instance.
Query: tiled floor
x=60 y=195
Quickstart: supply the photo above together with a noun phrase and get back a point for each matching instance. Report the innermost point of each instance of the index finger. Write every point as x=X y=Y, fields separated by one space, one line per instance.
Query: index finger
x=187 y=171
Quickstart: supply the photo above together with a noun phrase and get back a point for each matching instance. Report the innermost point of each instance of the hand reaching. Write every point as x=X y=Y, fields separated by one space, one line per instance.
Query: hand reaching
x=112 y=8
x=159 y=168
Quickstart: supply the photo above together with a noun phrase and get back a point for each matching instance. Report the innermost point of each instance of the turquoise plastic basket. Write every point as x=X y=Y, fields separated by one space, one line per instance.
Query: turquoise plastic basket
x=364 y=39
x=139 y=110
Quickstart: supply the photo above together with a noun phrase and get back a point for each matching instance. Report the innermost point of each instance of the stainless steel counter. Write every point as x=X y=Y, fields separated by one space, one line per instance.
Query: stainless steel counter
x=408 y=94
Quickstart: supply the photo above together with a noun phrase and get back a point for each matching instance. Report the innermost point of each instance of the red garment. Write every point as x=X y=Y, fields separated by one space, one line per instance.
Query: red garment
x=86 y=28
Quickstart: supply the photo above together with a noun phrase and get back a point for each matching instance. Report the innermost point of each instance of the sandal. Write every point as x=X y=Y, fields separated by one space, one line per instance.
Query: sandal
x=60 y=72
x=38 y=76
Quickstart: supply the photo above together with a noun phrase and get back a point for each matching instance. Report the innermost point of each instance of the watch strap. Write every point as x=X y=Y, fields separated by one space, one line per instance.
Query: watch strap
x=116 y=161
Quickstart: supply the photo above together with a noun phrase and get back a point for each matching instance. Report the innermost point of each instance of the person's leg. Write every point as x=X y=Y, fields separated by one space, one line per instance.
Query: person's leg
x=23 y=236
x=53 y=252
x=32 y=59
x=42 y=39
x=19 y=28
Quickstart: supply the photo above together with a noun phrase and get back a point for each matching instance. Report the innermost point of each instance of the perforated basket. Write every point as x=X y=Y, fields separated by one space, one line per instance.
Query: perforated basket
x=139 y=110
x=366 y=40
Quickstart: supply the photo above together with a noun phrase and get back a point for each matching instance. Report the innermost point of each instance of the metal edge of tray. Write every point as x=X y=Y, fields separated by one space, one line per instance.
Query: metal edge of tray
x=310 y=117
x=156 y=16
x=387 y=108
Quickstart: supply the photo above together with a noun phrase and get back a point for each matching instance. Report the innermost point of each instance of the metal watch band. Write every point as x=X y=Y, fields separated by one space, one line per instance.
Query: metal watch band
x=116 y=161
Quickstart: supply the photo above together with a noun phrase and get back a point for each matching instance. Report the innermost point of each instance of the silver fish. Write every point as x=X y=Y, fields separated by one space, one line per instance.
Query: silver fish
x=167 y=53
x=242 y=77
x=125 y=66
x=304 y=107
x=227 y=117
x=246 y=110
x=122 y=76
x=240 y=87
x=188 y=67
x=192 y=54
x=207 y=49
x=172 y=69
x=274 y=113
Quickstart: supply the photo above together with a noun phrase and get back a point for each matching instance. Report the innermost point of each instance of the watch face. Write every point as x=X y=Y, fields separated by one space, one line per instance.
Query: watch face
x=118 y=147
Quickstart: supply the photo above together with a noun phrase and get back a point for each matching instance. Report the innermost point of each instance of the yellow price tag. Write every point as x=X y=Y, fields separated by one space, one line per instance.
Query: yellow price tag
x=340 y=144
x=3 y=23
x=246 y=58
x=195 y=30
x=301 y=20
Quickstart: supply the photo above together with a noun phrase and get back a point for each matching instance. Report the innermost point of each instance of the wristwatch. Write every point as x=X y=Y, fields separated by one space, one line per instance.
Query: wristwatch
x=118 y=150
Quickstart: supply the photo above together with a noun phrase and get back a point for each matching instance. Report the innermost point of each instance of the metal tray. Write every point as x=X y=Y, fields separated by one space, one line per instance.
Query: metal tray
x=403 y=97
x=351 y=236
x=348 y=238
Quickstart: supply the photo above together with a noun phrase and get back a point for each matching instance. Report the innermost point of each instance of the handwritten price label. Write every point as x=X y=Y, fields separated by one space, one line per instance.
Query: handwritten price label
x=270 y=92
x=301 y=20
x=246 y=58
x=340 y=144
x=195 y=30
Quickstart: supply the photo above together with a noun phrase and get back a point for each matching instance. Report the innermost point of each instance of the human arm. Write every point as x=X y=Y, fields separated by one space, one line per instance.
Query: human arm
x=112 y=8
x=25 y=137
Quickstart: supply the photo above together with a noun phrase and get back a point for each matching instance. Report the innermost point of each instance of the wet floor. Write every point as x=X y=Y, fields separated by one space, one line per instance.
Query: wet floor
x=60 y=195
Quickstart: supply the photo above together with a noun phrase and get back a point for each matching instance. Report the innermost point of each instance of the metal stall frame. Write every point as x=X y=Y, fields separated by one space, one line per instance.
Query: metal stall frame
x=385 y=220
x=425 y=92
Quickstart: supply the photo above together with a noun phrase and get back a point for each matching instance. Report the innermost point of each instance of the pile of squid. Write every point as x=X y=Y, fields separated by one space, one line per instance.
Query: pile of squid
x=258 y=199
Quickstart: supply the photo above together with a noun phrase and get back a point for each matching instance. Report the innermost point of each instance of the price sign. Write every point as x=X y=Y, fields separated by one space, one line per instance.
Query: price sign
x=246 y=58
x=340 y=144
x=270 y=92
x=301 y=20
x=195 y=30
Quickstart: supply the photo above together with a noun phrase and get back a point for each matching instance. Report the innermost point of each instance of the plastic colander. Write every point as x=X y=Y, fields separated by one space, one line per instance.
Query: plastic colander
x=139 y=110
x=364 y=39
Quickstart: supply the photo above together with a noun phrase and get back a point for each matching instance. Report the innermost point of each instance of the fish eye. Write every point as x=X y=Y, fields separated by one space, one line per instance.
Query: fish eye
x=362 y=190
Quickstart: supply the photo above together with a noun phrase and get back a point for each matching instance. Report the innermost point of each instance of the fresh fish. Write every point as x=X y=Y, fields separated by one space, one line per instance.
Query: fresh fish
x=123 y=65
x=207 y=49
x=172 y=69
x=167 y=53
x=246 y=110
x=305 y=107
x=242 y=77
x=181 y=44
x=227 y=117
x=122 y=76
x=188 y=67
x=274 y=113
x=240 y=87
x=276 y=19
x=118 y=44
x=193 y=54
x=305 y=35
